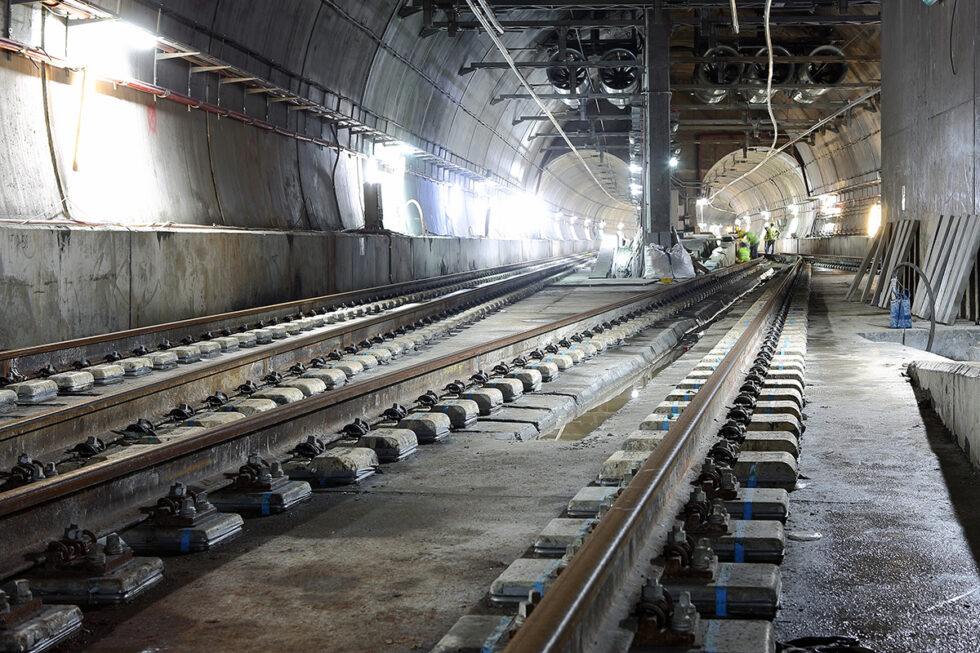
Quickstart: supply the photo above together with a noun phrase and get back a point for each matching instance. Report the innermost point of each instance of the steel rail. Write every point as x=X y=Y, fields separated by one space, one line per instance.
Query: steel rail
x=28 y=496
x=290 y=306
x=36 y=433
x=573 y=602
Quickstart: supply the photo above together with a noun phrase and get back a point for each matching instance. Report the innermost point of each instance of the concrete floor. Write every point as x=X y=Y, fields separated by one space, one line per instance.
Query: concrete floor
x=891 y=494
x=391 y=564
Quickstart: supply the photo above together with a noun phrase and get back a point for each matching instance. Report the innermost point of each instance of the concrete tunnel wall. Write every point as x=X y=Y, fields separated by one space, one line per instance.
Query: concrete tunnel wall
x=141 y=161
x=141 y=168
x=931 y=99
x=67 y=282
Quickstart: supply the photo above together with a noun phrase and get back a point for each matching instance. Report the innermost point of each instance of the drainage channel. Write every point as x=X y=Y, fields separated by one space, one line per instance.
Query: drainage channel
x=581 y=581
x=186 y=520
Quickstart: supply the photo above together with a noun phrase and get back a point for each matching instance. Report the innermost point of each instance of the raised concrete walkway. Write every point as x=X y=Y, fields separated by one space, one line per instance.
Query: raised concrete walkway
x=891 y=493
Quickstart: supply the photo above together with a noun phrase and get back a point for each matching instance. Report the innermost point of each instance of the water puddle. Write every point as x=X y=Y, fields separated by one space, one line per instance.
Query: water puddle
x=833 y=644
x=803 y=536
x=592 y=419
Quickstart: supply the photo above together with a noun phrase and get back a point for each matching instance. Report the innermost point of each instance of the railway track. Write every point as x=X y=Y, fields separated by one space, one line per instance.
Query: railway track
x=675 y=546
x=835 y=262
x=104 y=493
x=58 y=421
x=77 y=431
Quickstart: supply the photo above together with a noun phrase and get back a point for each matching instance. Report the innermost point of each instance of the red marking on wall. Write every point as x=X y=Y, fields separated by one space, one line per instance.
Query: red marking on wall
x=151 y=118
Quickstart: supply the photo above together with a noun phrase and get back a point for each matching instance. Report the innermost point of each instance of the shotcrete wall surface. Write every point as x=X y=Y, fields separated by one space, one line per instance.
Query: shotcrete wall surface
x=853 y=246
x=70 y=282
x=929 y=130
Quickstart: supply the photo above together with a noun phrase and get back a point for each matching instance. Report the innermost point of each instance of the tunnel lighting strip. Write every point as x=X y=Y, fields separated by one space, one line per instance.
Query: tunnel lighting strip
x=486 y=21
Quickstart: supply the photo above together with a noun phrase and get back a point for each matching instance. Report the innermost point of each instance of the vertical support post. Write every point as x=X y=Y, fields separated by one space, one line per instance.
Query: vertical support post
x=656 y=219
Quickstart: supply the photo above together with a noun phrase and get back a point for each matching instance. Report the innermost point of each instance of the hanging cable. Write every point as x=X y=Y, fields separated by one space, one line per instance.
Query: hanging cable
x=485 y=21
x=772 y=116
x=488 y=12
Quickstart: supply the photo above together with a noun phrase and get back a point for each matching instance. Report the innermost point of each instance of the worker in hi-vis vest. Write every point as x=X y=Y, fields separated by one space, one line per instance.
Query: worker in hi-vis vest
x=772 y=233
x=751 y=240
x=742 y=253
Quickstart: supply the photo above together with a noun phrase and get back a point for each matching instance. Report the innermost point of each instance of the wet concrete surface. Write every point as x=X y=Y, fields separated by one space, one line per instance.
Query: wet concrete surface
x=890 y=492
x=391 y=564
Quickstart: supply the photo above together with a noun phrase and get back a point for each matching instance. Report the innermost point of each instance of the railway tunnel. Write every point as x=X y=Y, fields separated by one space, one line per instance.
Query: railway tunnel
x=489 y=325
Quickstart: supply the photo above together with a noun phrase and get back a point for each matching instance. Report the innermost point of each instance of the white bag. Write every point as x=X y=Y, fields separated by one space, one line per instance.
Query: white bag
x=681 y=263
x=673 y=263
x=656 y=263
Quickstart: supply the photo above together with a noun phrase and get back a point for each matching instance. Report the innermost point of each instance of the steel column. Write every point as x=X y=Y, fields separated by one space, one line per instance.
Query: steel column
x=656 y=218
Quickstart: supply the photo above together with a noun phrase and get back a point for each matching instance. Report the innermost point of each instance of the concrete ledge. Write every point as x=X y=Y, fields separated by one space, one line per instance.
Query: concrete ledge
x=954 y=390
x=854 y=246
x=60 y=282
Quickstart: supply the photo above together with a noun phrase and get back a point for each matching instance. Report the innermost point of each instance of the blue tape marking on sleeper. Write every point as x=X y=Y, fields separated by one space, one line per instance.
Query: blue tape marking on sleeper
x=721 y=601
x=721 y=590
x=491 y=641
x=666 y=425
x=265 y=503
x=746 y=509
x=740 y=541
x=185 y=540
x=751 y=482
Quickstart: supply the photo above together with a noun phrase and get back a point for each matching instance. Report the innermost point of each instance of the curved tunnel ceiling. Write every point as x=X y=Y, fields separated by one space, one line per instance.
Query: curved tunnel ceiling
x=366 y=51
x=612 y=171
x=778 y=182
x=843 y=155
x=372 y=56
